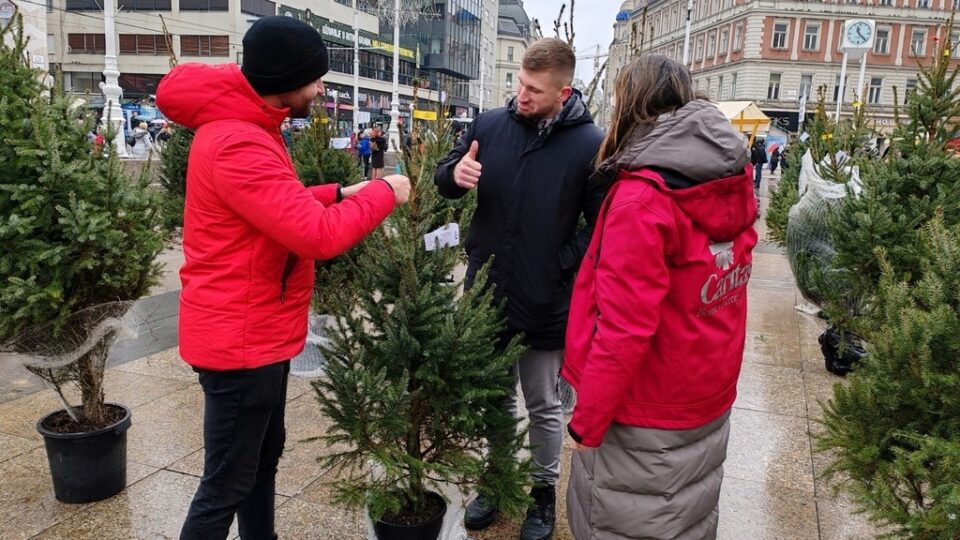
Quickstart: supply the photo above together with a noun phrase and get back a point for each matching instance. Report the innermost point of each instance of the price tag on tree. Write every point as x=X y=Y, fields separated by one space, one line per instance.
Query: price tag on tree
x=446 y=236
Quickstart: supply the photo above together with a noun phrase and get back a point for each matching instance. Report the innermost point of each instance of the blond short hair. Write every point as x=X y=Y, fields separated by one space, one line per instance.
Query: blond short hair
x=553 y=55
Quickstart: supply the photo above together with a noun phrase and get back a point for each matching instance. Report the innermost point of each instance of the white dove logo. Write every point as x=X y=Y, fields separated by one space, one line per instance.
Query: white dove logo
x=723 y=254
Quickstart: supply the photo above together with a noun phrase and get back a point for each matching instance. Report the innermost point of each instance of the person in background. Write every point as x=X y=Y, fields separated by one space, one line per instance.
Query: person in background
x=365 y=149
x=658 y=318
x=251 y=234
x=287 y=132
x=774 y=159
x=378 y=147
x=758 y=156
x=143 y=143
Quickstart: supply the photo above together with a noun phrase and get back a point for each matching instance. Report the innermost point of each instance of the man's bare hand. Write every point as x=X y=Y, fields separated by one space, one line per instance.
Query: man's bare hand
x=467 y=173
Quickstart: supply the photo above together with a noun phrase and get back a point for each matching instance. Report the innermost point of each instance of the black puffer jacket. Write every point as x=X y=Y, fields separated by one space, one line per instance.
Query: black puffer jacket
x=532 y=191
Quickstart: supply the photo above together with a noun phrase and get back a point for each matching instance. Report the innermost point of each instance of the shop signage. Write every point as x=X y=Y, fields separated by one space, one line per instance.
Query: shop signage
x=341 y=33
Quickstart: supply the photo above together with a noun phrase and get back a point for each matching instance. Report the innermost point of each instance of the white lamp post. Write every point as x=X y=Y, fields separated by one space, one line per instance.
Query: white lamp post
x=394 y=132
x=111 y=87
x=356 y=68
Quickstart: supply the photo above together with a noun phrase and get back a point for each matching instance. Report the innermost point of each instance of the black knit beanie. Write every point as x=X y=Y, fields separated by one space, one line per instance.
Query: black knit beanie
x=281 y=54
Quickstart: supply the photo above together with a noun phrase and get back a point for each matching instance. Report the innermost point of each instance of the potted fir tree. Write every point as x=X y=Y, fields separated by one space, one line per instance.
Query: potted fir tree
x=415 y=374
x=80 y=239
x=894 y=430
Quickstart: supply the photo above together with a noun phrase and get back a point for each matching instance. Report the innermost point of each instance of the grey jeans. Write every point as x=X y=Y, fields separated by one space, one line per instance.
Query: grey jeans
x=539 y=374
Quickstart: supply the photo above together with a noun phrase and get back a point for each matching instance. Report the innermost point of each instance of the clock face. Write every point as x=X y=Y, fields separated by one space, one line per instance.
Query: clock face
x=859 y=33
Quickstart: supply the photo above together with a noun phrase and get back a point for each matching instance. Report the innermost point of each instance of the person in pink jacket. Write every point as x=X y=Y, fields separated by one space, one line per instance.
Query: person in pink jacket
x=657 y=321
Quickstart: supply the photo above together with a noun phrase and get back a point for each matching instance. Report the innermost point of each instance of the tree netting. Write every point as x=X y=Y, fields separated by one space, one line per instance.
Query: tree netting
x=809 y=247
x=56 y=345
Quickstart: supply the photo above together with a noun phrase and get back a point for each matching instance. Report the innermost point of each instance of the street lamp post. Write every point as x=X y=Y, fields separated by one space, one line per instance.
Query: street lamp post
x=356 y=68
x=686 y=34
x=394 y=132
x=111 y=87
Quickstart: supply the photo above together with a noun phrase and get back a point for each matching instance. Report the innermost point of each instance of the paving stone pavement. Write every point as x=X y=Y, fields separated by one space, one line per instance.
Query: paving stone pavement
x=770 y=491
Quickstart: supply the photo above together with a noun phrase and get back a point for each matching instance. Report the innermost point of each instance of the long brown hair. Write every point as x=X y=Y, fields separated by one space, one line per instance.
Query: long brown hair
x=647 y=87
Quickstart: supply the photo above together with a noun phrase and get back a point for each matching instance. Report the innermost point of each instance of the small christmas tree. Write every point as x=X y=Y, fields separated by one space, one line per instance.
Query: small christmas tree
x=173 y=176
x=317 y=162
x=415 y=375
x=919 y=178
x=895 y=428
x=77 y=232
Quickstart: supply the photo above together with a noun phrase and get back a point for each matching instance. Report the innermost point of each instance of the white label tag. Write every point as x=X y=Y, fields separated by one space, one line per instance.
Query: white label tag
x=446 y=236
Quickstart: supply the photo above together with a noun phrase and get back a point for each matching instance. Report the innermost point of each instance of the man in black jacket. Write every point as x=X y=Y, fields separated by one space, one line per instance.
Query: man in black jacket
x=530 y=163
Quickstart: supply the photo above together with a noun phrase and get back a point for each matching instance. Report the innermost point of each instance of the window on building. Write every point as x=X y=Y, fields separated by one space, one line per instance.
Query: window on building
x=811 y=37
x=204 y=5
x=260 y=8
x=918 y=41
x=806 y=85
x=204 y=45
x=954 y=41
x=142 y=44
x=712 y=45
x=881 y=43
x=509 y=80
x=725 y=40
x=779 y=35
x=699 y=54
x=82 y=81
x=733 y=86
x=836 y=87
x=886 y=3
x=83 y=5
x=509 y=54
x=956 y=5
x=910 y=88
x=876 y=87
x=145 y=5
x=923 y=4
x=86 y=44
x=720 y=88
x=738 y=37
x=773 y=87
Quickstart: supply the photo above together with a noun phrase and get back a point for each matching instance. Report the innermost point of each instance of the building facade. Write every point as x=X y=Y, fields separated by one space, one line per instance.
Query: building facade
x=34 y=28
x=482 y=87
x=513 y=38
x=211 y=31
x=775 y=52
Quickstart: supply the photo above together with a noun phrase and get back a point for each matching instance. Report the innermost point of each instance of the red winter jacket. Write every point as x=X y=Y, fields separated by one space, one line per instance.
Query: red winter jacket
x=251 y=230
x=657 y=322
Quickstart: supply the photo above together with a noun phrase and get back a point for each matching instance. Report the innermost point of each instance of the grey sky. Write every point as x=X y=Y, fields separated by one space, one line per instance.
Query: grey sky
x=592 y=22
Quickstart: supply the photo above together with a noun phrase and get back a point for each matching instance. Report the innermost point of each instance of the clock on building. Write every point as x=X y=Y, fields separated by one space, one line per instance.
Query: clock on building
x=858 y=34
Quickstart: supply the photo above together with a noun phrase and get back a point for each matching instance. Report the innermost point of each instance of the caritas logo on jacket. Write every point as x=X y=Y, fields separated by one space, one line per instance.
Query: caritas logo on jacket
x=715 y=294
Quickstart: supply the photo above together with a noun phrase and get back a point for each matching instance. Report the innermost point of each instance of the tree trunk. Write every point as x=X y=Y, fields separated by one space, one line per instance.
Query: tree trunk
x=91 y=370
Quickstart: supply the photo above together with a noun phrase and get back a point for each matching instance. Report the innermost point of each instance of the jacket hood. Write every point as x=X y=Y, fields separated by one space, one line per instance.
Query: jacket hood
x=696 y=157
x=196 y=94
x=573 y=113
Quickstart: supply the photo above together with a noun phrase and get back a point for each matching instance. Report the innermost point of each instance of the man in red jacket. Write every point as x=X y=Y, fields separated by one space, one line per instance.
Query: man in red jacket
x=251 y=233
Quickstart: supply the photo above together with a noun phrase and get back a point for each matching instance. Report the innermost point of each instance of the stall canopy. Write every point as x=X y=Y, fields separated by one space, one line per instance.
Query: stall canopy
x=746 y=117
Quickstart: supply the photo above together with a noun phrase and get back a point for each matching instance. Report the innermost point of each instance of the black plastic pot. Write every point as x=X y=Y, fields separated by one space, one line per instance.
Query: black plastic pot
x=88 y=467
x=842 y=351
x=428 y=530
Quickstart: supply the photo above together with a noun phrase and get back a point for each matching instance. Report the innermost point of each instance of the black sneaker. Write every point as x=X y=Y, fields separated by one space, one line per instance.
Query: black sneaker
x=542 y=515
x=479 y=514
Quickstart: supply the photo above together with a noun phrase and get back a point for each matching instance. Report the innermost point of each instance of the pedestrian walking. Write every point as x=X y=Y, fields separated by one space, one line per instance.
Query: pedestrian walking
x=378 y=146
x=142 y=142
x=366 y=151
x=758 y=156
x=774 y=159
x=530 y=163
x=251 y=234
x=667 y=267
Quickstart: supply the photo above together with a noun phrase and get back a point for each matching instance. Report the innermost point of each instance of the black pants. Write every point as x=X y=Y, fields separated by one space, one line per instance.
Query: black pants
x=243 y=437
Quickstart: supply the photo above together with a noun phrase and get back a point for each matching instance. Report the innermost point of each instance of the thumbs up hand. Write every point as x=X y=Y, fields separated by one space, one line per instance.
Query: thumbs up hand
x=467 y=172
